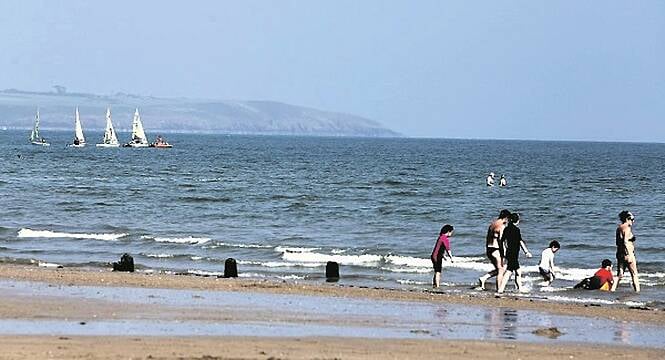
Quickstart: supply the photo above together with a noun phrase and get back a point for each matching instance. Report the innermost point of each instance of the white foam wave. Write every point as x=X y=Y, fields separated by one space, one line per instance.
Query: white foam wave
x=310 y=257
x=251 y=246
x=425 y=264
x=48 y=265
x=338 y=251
x=567 y=299
x=289 y=264
x=550 y=289
x=407 y=270
x=282 y=249
x=160 y=255
x=251 y=275
x=28 y=233
x=205 y=273
x=408 y=261
x=196 y=258
x=291 y=277
x=411 y=282
x=274 y=264
x=179 y=240
x=657 y=275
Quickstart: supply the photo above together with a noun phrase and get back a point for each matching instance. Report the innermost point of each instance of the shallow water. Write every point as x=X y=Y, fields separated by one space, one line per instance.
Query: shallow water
x=284 y=206
x=381 y=319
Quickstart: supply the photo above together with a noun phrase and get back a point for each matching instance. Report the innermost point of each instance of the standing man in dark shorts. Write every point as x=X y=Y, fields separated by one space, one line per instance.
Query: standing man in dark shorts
x=441 y=248
x=513 y=242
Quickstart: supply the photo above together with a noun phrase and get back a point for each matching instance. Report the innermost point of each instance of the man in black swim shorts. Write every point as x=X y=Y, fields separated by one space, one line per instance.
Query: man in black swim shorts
x=512 y=240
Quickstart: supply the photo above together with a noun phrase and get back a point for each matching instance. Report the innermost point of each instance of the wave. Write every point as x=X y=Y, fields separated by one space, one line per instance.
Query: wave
x=312 y=257
x=411 y=282
x=204 y=273
x=251 y=246
x=291 y=277
x=159 y=256
x=48 y=265
x=276 y=264
x=282 y=249
x=203 y=199
x=389 y=182
x=28 y=233
x=178 y=240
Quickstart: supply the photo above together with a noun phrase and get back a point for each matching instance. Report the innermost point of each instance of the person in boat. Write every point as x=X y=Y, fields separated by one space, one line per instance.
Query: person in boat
x=625 y=242
x=601 y=280
x=76 y=142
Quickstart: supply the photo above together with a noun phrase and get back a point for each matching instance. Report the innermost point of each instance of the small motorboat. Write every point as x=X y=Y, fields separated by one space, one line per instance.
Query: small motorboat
x=161 y=143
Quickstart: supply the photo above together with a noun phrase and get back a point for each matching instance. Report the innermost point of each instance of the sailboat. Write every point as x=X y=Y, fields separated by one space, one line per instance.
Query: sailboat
x=79 y=140
x=138 y=135
x=35 y=139
x=110 y=138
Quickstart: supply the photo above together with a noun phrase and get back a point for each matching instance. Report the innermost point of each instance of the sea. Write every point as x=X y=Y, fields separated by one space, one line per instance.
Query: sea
x=284 y=206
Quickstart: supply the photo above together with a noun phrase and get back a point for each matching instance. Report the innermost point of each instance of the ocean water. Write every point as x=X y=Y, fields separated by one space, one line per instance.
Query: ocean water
x=284 y=206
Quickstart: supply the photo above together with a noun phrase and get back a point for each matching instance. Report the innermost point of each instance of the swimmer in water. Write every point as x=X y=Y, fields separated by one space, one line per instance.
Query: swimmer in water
x=490 y=179
x=502 y=181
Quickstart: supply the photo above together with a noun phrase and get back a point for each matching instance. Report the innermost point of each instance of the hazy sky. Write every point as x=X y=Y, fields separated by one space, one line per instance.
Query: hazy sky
x=497 y=69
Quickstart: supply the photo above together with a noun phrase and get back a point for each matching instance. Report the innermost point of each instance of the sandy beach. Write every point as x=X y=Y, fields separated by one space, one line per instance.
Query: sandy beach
x=41 y=304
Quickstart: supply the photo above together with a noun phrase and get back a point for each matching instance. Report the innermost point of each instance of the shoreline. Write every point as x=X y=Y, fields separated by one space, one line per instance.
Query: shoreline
x=105 y=277
x=73 y=313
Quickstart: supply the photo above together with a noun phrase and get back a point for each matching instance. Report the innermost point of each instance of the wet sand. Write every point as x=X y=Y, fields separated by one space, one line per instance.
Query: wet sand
x=51 y=308
x=97 y=277
x=65 y=347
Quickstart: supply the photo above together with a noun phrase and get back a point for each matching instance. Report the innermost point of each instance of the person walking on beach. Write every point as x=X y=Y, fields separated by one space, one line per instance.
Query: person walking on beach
x=625 y=241
x=513 y=242
x=546 y=266
x=494 y=249
x=441 y=248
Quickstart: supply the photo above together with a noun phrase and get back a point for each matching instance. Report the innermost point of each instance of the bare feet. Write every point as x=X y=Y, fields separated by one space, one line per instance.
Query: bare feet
x=481 y=283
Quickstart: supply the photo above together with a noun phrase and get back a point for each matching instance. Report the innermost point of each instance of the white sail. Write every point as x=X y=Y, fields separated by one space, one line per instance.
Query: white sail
x=35 y=138
x=109 y=135
x=78 y=132
x=138 y=135
x=110 y=138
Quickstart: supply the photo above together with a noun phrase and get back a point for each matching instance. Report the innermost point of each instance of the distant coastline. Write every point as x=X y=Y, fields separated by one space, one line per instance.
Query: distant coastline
x=17 y=108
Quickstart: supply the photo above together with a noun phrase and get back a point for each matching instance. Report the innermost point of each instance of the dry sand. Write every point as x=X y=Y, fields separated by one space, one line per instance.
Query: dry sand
x=145 y=347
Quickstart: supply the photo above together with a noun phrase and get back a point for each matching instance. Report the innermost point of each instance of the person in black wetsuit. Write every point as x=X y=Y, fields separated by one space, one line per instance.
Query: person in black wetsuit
x=513 y=242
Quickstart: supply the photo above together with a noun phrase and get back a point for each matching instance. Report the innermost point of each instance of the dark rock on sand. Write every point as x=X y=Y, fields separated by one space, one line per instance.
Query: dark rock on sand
x=551 y=333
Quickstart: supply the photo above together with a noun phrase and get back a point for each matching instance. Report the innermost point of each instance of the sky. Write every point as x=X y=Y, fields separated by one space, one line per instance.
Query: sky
x=546 y=70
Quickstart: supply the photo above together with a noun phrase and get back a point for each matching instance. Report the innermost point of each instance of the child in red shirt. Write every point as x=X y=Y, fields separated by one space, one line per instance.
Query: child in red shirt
x=601 y=280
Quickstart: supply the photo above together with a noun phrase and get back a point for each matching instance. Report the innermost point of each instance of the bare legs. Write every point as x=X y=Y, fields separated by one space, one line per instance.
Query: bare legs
x=495 y=258
x=632 y=268
x=436 y=281
x=506 y=277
